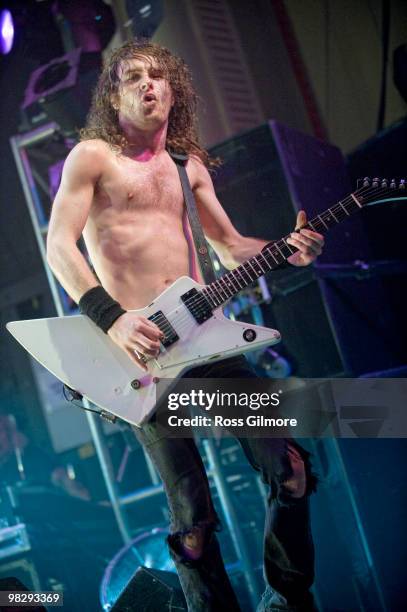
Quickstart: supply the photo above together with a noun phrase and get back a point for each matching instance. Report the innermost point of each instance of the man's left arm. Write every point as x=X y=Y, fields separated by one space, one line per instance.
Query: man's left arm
x=231 y=247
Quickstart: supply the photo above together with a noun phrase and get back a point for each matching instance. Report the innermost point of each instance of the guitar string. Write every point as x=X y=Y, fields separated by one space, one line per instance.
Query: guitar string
x=168 y=326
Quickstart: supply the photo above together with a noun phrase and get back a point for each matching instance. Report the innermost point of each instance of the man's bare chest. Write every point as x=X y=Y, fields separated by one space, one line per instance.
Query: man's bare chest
x=140 y=187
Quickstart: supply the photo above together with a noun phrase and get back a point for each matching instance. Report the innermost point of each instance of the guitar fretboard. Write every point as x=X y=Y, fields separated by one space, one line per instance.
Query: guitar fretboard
x=270 y=258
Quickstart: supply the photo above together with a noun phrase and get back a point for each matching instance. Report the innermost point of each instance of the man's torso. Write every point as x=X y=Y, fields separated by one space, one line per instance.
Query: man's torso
x=134 y=234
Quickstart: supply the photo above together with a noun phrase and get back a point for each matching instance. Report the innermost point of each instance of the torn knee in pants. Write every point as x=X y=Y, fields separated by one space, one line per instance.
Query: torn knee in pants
x=189 y=546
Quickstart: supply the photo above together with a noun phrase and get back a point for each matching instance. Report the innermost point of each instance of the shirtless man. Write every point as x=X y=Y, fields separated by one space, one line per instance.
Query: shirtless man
x=121 y=189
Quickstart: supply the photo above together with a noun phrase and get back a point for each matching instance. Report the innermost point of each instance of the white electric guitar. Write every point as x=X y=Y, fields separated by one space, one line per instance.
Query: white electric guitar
x=189 y=314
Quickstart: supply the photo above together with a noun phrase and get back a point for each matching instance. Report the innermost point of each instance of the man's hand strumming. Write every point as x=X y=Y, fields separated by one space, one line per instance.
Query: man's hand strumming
x=138 y=336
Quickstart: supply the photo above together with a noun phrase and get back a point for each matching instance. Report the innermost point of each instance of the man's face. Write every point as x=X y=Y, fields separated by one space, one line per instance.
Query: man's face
x=144 y=97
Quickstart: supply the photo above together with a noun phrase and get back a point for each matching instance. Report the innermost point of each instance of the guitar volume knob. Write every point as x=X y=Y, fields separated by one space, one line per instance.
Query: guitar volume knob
x=249 y=335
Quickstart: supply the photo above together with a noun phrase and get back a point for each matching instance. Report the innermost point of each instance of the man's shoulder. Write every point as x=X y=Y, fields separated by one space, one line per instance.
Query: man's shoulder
x=92 y=148
x=195 y=162
x=197 y=171
x=88 y=159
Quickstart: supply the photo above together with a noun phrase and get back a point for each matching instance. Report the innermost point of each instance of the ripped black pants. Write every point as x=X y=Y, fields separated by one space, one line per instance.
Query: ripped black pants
x=288 y=546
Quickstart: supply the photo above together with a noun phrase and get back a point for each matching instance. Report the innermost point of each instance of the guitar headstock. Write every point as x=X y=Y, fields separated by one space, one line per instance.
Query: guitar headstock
x=375 y=190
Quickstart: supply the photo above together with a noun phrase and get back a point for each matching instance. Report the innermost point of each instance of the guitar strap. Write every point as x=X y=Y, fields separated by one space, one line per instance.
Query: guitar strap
x=201 y=245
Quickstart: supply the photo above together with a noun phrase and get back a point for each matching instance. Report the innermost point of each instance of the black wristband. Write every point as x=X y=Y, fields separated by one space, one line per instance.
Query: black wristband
x=285 y=263
x=102 y=309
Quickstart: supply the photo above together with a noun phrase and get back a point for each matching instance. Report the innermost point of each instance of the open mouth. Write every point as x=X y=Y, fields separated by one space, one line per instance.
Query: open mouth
x=149 y=98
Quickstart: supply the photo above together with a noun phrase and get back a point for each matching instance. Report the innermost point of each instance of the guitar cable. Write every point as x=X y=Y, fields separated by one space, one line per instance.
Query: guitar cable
x=73 y=396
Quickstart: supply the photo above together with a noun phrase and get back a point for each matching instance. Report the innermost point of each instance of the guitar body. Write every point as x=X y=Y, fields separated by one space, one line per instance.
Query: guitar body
x=87 y=360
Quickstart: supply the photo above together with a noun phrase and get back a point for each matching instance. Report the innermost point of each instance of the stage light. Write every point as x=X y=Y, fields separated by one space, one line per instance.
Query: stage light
x=6 y=31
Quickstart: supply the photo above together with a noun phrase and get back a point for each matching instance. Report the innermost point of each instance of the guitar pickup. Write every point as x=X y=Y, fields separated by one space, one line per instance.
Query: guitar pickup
x=198 y=305
x=165 y=326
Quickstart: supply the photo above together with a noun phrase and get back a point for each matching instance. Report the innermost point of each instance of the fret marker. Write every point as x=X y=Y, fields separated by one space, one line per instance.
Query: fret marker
x=232 y=284
x=259 y=264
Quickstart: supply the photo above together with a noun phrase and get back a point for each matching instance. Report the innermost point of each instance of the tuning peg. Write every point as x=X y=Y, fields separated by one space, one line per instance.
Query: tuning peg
x=384 y=183
x=402 y=184
x=366 y=182
x=393 y=184
x=375 y=182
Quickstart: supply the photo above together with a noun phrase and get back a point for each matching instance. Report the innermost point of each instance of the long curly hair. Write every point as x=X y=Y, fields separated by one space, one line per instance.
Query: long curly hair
x=103 y=121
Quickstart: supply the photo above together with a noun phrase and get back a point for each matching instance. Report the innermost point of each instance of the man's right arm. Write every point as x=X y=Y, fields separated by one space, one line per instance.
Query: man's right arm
x=70 y=212
x=136 y=335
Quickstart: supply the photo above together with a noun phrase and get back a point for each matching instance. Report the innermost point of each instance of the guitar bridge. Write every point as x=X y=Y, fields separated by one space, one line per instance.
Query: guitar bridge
x=198 y=305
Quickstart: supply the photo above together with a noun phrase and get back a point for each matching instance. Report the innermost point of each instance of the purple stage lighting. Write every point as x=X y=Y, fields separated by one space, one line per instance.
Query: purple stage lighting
x=6 y=32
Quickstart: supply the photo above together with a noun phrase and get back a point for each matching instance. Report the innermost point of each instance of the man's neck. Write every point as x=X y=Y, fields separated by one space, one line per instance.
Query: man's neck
x=144 y=144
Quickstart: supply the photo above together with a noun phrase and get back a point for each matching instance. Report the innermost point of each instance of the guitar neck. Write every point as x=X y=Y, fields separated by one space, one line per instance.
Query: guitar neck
x=229 y=285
